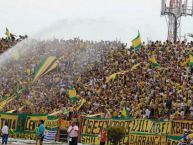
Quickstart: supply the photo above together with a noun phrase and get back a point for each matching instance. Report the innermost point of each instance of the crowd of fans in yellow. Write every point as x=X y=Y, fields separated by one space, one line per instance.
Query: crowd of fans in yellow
x=108 y=75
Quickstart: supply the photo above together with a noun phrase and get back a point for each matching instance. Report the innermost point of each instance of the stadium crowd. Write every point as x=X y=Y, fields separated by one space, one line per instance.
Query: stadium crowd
x=6 y=43
x=146 y=91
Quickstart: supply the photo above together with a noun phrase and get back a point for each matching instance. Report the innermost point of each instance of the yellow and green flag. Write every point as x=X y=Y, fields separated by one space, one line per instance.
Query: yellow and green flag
x=45 y=66
x=191 y=61
x=135 y=66
x=124 y=112
x=111 y=77
x=72 y=95
x=8 y=34
x=154 y=62
x=136 y=43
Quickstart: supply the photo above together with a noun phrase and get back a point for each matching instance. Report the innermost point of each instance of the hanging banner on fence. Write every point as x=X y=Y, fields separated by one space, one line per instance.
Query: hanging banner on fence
x=95 y=140
x=179 y=125
x=52 y=123
x=140 y=139
x=89 y=139
x=11 y=119
x=94 y=126
x=32 y=121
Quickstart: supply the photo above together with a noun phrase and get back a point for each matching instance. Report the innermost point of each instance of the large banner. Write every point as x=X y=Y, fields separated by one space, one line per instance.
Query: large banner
x=148 y=139
x=138 y=131
x=24 y=125
x=179 y=125
x=32 y=121
x=94 y=126
x=52 y=123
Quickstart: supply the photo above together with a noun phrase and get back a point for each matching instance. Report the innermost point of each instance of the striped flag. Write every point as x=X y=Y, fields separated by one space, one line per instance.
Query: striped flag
x=45 y=66
x=136 y=43
x=154 y=62
x=50 y=136
x=72 y=95
x=191 y=60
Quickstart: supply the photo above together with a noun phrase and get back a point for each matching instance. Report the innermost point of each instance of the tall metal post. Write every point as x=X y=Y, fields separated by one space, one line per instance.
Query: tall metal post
x=175 y=28
x=174 y=11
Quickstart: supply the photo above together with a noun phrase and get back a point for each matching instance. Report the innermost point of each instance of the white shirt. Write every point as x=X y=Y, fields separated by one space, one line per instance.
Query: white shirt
x=73 y=131
x=5 y=129
x=147 y=113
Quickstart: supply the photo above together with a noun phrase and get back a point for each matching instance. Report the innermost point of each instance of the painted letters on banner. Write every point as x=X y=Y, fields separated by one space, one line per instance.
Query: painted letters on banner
x=94 y=126
x=11 y=119
x=32 y=122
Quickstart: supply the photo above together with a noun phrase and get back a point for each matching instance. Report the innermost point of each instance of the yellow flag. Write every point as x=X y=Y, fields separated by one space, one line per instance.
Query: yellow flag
x=111 y=77
x=135 y=66
x=124 y=112
x=8 y=34
x=153 y=60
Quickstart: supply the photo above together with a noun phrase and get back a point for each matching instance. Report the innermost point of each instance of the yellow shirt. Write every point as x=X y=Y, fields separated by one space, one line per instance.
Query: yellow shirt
x=189 y=103
x=190 y=136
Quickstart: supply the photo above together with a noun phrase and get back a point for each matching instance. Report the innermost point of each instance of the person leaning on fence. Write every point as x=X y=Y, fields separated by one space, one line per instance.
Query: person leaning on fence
x=73 y=134
x=5 y=132
x=40 y=133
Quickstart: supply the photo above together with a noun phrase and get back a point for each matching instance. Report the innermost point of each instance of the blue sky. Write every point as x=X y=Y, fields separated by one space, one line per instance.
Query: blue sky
x=88 y=19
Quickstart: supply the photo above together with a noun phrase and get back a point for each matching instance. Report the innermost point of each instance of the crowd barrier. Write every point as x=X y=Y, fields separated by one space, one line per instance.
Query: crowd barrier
x=138 y=131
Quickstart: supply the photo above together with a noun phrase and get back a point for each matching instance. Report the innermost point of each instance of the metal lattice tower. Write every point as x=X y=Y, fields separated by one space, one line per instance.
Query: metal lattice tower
x=174 y=10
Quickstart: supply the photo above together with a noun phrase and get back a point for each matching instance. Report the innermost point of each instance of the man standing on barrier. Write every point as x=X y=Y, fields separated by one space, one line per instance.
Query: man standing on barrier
x=73 y=134
x=40 y=133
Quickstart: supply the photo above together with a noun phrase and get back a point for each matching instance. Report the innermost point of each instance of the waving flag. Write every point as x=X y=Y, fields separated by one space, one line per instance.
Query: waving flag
x=154 y=62
x=111 y=77
x=8 y=34
x=136 y=43
x=191 y=60
x=45 y=66
x=135 y=66
x=72 y=94
x=81 y=104
x=124 y=112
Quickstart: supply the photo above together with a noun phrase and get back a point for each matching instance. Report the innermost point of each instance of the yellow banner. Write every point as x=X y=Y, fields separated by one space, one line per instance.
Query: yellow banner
x=136 y=139
x=90 y=140
x=32 y=122
x=95 y=140
x=94 y=126
x=132 y=139
x=179 y=125
x=11 y=119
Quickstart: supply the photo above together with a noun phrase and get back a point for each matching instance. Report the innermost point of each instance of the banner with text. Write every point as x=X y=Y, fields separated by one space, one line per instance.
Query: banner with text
x=93 y=126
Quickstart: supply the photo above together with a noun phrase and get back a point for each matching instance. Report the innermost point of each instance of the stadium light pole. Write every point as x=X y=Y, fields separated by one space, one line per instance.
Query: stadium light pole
x=175 y=10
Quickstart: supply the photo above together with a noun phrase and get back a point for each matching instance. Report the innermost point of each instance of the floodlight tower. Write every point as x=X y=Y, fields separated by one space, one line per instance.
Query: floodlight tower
x=174 y=10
